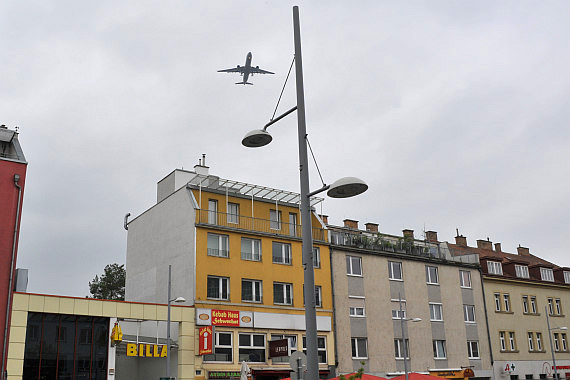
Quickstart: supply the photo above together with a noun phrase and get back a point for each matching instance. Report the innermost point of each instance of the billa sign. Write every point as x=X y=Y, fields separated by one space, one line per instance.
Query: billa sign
x=230 y=318
x=146 y=350
x=278 y=348
x=205 y=340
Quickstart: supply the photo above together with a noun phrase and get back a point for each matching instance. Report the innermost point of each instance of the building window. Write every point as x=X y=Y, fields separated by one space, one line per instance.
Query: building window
x=557 y=306
x=521 y=271
x=316 y=257
x=251 y=290
x=439 y=349
x=546 y=274
x=556 y=342
x=282 y=293
x=566 y=277
x=530 y=341
x=318 y=296
x=395 y=270
x=359 y=348
x=512 y=341
x=533 y=305
x=473 y=349
x=550 y=303
x=396 y=309
x=292 y=347
x=497 y=301
x=525 y=304
x=539 y=341
x=354 y=266
x=218 y=245
x=293 y=226
x=503 y=341
x=212 y=211
x=250 y=249
x=494 y=267
x=222 y=348
x=563 y=341
x=431 y=275
x=399 y=348
x=233 y=213
x=465 y=279
x=281 y=253
x=321 y=348
x=356 y=311
x=218 y=288
x=251 y=348
x=275 y=219
x=469 y=313
x=507 y=302
x=436 y=312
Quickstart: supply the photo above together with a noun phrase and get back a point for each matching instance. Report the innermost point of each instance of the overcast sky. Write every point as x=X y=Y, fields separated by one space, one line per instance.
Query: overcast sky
x=455 y=113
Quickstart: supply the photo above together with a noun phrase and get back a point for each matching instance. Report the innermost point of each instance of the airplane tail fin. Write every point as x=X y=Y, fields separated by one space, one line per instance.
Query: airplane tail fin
x=244 y=83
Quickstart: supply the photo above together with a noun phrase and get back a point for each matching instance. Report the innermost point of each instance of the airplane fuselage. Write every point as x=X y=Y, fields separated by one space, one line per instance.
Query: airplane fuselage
x=247 y=68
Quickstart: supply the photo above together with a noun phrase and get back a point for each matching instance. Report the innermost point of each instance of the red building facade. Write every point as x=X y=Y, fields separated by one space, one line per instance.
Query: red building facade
x=12 y=179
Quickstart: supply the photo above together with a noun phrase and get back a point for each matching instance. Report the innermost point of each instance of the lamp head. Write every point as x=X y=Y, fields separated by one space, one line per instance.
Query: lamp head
x=416 y=319
x=256 y=138
x=563 y=328
x=180 y=299
x=347 y=187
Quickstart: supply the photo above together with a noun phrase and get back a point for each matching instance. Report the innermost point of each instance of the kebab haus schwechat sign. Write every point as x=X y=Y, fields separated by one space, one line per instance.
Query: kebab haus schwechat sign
x=216 y=317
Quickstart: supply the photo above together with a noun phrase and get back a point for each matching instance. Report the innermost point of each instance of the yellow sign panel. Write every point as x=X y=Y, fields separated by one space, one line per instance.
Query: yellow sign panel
x=147 y=350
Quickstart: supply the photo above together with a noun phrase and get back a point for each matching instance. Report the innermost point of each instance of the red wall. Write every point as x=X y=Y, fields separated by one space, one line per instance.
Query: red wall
x=8 y=206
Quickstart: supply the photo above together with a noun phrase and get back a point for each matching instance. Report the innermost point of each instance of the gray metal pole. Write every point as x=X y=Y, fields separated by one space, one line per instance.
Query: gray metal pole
x=550 y=339
x=403 y=337
x=168 y=323
x=309 y=286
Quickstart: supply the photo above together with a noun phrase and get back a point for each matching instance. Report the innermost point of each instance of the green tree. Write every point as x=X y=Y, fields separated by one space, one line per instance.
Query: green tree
x=111 y=284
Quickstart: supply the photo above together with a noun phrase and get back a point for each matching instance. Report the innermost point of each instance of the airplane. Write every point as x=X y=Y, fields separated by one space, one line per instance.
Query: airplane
x=246 y=70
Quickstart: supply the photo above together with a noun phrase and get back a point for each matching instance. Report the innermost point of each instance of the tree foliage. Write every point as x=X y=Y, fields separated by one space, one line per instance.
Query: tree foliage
x=111 y=284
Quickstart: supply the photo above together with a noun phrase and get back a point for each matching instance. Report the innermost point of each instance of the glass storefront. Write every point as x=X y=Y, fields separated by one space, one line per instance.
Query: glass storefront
x=66 y=347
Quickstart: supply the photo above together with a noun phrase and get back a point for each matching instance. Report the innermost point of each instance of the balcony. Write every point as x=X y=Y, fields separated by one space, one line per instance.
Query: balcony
x=249 y=224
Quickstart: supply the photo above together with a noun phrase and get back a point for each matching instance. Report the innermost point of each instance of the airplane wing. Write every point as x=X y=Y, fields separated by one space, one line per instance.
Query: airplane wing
x=257 y=70
x=238 y=69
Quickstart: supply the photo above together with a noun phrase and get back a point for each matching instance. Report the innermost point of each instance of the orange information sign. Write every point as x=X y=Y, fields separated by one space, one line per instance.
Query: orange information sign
x=205 y=340
x=225 y=318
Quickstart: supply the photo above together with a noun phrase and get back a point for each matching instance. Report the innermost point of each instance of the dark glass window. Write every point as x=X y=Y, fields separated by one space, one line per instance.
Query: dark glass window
x=62 y=347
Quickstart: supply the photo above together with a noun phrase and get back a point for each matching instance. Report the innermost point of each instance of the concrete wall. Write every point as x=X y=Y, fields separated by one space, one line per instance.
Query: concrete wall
x=160 y=236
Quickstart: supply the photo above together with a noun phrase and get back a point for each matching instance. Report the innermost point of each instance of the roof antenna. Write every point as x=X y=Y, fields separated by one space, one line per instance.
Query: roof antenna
x=457 y=230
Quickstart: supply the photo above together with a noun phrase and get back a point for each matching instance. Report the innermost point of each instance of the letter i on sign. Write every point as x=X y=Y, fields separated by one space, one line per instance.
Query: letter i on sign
x=206 y=341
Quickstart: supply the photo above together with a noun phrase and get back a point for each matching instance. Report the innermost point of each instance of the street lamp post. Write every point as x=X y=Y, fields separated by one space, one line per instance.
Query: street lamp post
x=170 y=300
x=402 y=319
x=550 y=339
x=342 y=188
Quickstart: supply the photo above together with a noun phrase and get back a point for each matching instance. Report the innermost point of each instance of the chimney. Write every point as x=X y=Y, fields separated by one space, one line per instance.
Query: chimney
x=349 y=223
x=461 y=240
x=408 y=234
x=498 y=247
x=201 y=168
x=371 y=227
x=523 y=251
x=431 y=236
x=324 y=218
x=485 y=244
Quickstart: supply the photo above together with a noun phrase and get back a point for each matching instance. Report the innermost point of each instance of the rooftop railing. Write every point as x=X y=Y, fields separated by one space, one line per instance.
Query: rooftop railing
x=250 y=224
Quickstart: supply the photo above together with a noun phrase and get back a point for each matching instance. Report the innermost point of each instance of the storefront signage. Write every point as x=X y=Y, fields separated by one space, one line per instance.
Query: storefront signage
x=463 y=373
x=146 y=350
x=223 y=374
x=216 y=317
x=278 y=348
x=205 y=340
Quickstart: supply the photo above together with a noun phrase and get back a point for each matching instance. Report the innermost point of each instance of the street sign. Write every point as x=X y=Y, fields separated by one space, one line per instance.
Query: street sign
x=298 y=360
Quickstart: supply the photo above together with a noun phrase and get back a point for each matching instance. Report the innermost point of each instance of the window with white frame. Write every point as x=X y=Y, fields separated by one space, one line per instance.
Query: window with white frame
x=525 y=304
x=557 y=306
x=538 y=341
x=400 y=348
x=250 y=249
x=533 y=308
x=497 y=301
x=356 y=311
x=251 y=290
x=292 y=342
x=566 y=277
x=502 y=340
x=556 y=342
x=293 y=226
x=464 y=279
x=530 y=341
x=282 y=293
x=469 y=313
x=316 y=257
x=233 y=213
x=218 y=288
x=494 y=267
x=251 y=348
x=473 y=349
x=439 y=351
x=512 y=341
x=275 y=219
x=396 y=314
x=222 y=348
x=436 y=312
x=354 y=266
x=507 y=302
x=212 y=211
x=395 y=270
x=563 y=340
x=550 y=303
x=359 y=348
x=546 y=274
x=318 y=296
x=218 y=245
x=431 y=275
x=521 y=271
x=281 y=253
x=321 y=348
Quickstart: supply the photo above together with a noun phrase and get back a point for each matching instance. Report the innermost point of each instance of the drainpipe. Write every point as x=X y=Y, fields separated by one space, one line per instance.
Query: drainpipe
x=487 y=323
x=334 y=313
x=11 y=281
